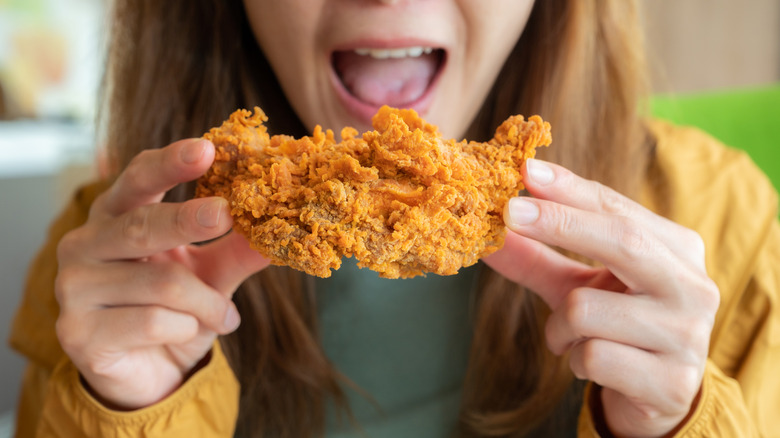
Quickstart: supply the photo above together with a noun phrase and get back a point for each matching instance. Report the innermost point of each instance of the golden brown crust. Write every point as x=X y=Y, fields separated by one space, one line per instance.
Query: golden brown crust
x=400 y=199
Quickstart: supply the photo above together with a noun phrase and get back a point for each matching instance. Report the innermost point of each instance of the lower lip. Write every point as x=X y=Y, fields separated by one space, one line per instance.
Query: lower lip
x=365 y=112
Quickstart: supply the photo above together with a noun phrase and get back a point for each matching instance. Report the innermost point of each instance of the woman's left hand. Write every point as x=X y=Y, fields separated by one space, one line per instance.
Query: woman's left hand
x=639 y=323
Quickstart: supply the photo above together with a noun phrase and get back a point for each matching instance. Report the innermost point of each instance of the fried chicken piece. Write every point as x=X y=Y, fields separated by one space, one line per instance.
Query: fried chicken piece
x=400 y=199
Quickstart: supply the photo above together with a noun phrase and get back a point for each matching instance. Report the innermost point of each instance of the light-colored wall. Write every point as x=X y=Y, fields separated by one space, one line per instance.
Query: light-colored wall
x=704 y=45
x=26 y=208
x=28 y=204
x=41 y=164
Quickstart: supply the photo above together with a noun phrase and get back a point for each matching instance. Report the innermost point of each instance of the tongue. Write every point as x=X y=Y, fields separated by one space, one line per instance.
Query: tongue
x=393 y=81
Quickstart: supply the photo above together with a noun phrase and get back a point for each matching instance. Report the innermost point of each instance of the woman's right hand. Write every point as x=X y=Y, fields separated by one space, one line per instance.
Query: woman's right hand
x=140 y=306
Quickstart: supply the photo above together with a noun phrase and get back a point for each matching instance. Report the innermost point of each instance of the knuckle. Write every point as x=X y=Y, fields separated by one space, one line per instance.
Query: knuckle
x=692 y=246
x=141 y=160
x=683 y=386
x=70 y=333
x=94 y=368
x=170 y=283
x=695 y=242
x=634 y=242
x=648 y=414
x=695 y=336
x=576 y=309
x=68 y=245
x=94 y=365
x=611 y=202
x=590 y=359
x=211 y=310
x=704 y=295
x=136 y=228
x=216 y=314
x=100 y=201
x=135 y=174
x=710 y=296
x=182 y=220
x=562 y=222
x=65 y=283
x=152 y=324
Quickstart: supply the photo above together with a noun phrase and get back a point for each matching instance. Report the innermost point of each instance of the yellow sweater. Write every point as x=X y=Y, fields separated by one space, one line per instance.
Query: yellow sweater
x=716 y=191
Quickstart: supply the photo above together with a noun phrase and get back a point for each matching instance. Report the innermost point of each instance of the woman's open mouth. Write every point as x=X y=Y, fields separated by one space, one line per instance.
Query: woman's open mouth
x=403 y=77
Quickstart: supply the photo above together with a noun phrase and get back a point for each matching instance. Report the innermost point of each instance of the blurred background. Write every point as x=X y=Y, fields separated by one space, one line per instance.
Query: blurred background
x=51 y=55
x=51 y=52
x=710 y=45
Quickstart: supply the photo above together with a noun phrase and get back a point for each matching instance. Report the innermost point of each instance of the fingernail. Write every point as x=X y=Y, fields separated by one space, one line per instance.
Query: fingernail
x=232 y=319
x=539 y=172
x=208 y=214
x=521 y=212
x=192 y=152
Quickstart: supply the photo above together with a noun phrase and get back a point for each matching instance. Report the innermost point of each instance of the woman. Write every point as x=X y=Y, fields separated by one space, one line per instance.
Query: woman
x=631 y=309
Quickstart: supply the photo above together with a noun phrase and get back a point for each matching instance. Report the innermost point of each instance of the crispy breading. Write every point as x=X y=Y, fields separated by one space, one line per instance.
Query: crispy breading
x=400 y=199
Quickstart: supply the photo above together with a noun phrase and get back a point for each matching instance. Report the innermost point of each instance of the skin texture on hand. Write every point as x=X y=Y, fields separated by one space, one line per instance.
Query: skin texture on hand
x=638 y=324
x=140 y=306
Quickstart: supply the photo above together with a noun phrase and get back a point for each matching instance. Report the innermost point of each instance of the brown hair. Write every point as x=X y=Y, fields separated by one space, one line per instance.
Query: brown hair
x=176 y=69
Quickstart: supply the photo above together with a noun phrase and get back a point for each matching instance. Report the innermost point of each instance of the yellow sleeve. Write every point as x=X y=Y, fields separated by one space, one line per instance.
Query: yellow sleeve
x=205 y=406
x=721 y=193
x=747 y=346
x=53 y=403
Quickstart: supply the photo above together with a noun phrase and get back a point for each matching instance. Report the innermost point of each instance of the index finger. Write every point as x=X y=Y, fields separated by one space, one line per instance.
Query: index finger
x=631 y=252
x=155 y=171
x=555 y=183
x=152 y=229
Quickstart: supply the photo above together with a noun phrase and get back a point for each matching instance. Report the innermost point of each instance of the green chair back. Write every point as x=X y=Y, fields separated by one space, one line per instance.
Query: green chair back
x=746 y=119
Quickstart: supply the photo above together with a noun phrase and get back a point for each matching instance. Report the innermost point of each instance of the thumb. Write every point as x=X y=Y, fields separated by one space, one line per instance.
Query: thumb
x=225 y=263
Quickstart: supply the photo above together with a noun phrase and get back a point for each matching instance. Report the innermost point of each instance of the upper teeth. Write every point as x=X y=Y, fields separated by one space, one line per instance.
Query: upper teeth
x=405 y=52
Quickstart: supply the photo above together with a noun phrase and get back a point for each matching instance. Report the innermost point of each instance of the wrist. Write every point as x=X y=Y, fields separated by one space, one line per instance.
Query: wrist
x=116 y=406
x=599 y=418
